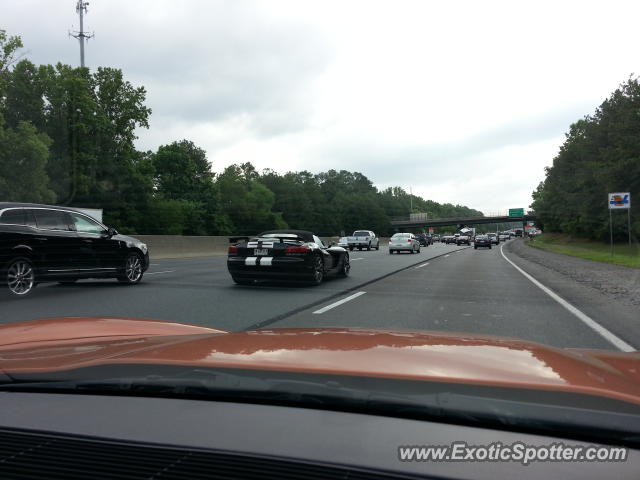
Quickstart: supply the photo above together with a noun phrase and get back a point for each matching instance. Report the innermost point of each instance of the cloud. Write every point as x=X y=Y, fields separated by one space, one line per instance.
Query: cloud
x=465 y=101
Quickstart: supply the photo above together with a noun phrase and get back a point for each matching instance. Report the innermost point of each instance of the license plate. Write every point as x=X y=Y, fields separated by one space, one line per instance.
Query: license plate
x=261 y=251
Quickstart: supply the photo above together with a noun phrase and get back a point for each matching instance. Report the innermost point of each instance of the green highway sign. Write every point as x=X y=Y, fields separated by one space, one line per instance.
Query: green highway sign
x=516 y=212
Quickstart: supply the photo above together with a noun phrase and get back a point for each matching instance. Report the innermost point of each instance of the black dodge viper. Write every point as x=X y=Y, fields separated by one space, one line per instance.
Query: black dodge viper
x=285 y=255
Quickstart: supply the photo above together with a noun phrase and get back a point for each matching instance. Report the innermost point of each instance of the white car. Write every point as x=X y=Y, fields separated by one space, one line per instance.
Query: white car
x=342 y=242
x=404 y=242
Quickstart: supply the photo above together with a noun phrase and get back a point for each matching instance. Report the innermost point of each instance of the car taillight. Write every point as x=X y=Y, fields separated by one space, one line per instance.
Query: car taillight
x=409 y=240
x=296 y=250
x=233 y=249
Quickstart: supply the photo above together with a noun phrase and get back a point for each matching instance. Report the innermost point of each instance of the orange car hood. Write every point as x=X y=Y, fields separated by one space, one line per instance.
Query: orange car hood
x=68 y=343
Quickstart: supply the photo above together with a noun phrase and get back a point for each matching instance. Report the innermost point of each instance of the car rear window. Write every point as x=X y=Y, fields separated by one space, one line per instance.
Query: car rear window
x=361 y=233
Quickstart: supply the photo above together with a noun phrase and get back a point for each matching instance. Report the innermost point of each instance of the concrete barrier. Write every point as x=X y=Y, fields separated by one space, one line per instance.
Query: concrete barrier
x=178 y=246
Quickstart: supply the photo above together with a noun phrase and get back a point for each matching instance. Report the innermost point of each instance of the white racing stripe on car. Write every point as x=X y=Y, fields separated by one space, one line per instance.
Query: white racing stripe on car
x=250 y=261
x=266 y=261
x=262 y=244
x=339 y=302
x=612 y=338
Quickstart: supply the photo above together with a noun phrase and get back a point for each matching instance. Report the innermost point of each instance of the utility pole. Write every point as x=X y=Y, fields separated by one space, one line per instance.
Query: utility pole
x=81 y=8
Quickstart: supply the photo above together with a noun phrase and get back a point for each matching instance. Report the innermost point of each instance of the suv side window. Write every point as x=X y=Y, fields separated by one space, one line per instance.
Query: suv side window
x=51 y=219
x=86 y=225
x=13 y=217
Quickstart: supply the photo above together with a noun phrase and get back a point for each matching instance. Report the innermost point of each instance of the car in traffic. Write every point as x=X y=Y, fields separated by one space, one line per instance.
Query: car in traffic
x=46 y=243
x=425 y=239
x=176 y=401
x=363 y=239
x=436 y=237
x=463 y=240
x=481 y=241
x=297 y=255
x=503 y=237
x=448 y=239
x=404 y=242
x=494 y=238
x=343 y=242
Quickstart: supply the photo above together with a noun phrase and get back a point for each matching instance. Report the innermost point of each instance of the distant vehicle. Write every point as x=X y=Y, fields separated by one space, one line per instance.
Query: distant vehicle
x=503 y=237
x=45 y=243
x=404 y=242
x=447 y=239
x=425 y=240
x=519 y=232
x=363 y=239
x=469 y=232
x=463 y=240
x=285 y=255
x=494 y=238
x=436 y=238
x=343 y=242
x=482 y=241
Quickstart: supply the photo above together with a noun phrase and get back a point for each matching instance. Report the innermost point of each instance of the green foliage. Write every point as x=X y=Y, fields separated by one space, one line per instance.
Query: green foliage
x=601 y=154
x=23 y=156
x=67 y=136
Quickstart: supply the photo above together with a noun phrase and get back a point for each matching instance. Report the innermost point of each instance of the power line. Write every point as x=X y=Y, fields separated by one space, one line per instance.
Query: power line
x=81 y=35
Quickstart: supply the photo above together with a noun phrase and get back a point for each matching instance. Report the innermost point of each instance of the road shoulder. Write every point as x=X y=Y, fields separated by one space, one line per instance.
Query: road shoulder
x=609 y=294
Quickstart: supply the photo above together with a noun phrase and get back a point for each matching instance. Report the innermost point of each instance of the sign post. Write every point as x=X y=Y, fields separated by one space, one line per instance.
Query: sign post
x=619 y=201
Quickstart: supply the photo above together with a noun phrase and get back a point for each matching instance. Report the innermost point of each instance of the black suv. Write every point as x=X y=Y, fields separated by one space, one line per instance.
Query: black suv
x=43 y=243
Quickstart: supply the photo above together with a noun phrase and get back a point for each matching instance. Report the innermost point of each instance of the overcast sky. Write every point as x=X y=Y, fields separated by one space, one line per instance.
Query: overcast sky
x=464 y=102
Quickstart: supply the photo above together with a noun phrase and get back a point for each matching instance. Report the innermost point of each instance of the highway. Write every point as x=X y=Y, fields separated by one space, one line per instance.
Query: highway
x=445 y=287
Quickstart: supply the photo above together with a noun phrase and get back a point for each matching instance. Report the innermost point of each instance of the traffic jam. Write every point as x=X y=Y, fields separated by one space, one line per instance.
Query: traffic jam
x=302 y=256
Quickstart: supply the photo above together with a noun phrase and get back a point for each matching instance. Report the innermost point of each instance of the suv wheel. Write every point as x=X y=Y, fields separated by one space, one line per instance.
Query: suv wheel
x=21 y=277
x=132 y=271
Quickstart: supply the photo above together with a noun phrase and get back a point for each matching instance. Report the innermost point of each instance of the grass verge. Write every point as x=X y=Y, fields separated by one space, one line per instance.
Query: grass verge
x=623 y=254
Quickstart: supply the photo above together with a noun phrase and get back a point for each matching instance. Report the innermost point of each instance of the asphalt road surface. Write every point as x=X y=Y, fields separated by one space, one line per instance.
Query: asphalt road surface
x=446 y=288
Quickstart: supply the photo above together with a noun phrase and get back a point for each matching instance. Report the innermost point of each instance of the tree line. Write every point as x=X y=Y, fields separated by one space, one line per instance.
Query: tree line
x=67 y=136
x=601 y=154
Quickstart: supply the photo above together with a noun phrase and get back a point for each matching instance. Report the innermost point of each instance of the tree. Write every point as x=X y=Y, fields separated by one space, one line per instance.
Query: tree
x=601 y=153
x=182 y=171
x=23 y=158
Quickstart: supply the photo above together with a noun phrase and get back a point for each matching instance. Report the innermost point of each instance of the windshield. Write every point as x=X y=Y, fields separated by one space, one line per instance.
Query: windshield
x=195 y=169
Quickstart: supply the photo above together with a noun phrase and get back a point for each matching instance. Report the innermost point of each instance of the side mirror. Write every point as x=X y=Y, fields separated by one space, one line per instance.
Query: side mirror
x=112 y=232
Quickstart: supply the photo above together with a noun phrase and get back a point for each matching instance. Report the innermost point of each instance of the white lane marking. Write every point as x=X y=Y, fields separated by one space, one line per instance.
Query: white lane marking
x=265 y=261
x=446 y=255
x=339 y=302
x=612 y=338
x=354 y=259
x=154 y=264
x=250 y=261
x=423 y=265
x=156 y=273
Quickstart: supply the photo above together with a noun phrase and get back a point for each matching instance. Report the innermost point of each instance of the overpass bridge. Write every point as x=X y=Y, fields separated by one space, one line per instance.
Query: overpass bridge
x=405 y=222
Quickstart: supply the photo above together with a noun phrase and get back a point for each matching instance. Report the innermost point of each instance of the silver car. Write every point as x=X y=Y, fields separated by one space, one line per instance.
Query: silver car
x=343 y=242
x=404 y=242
